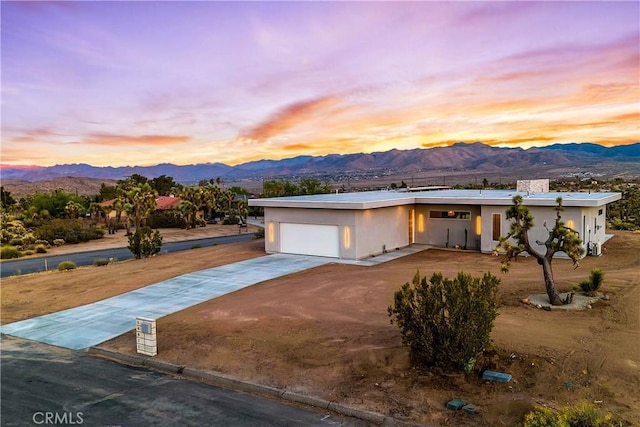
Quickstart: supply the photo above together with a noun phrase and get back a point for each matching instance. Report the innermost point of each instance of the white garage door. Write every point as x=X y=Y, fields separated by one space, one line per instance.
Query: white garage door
x=310 y=239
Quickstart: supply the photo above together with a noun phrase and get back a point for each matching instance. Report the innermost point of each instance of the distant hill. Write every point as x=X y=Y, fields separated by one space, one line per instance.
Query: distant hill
x=80 y=185
x=460 y=157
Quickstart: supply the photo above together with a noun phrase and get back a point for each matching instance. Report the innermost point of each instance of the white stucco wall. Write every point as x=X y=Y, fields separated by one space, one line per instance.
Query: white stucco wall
x=571 y=216
x=375 y=228
x=342 y=218
x=365 y=232
x=434 y=231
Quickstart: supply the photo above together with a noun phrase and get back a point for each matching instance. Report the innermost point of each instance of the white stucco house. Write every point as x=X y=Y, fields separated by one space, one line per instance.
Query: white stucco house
x=360 y=225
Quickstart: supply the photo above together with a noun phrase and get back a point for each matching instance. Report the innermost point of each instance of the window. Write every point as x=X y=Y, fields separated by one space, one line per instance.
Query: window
x=496 y=226
x=450 y=214
x=600 y=212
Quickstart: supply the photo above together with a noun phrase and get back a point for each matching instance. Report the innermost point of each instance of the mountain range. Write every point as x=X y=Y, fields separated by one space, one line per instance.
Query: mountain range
x=458 y=157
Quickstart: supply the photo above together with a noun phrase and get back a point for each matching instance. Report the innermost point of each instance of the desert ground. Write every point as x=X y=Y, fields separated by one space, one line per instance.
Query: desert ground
x=325 y=331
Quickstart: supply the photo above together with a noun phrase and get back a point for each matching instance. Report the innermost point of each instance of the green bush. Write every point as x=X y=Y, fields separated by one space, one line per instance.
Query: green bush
x=28 y=252
x=71 y=231
x=231 y=220
x=66 y=265
x=617 y=224
x=41 y=249
x=165 y=219
x=99 y=262
x=8 y=252
x=145 y=243
x=259 y=234
x=445 y=322
x=593 y=284
x=16 y=242
x=582 y=414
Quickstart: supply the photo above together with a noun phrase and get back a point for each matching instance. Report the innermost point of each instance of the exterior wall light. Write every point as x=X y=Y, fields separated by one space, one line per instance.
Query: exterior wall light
x=346 y=237
x=421 y=223
x=270 y=233
x=478 y=225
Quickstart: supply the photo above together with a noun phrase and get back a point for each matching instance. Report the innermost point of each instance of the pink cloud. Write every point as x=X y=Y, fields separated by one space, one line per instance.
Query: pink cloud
x=126 y=140
x=288 y=118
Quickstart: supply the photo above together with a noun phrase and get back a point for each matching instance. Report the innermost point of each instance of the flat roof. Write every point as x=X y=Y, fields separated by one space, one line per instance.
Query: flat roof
x=381 y=199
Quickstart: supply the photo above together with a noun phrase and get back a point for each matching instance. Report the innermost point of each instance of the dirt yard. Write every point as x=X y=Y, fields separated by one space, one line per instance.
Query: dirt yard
x=325 y=332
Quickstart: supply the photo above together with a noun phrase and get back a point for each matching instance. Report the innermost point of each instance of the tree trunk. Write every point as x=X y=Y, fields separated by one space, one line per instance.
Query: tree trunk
x=552 y=293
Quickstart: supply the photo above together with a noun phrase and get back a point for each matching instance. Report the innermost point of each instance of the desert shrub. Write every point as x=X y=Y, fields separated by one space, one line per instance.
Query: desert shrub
x=13 y=230
x=66 y=265
x=58 y=242
x=41 y=249
x=230 y=220
x=259 y=234
x=8 y=252
x=99 y=262
x=28 y=252
x=541 y=417
x=16 y=242
x=593 y=283
x=28 y=239
x=445 y=322
x=71 y=231
x=165 y=219
x=196 y=246
x=618 y=224
x=582 y=414
x=145 y=243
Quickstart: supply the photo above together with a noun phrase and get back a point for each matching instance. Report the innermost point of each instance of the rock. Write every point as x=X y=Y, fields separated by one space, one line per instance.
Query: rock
x=470 y=409
x=538 y=306
x=525 y=300
x=455 y=404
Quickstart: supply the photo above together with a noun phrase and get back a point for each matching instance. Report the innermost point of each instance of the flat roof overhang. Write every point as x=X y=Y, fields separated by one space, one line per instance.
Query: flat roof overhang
x=382 y=199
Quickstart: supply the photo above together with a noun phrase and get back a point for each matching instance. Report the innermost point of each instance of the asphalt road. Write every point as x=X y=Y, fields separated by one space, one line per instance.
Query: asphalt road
x=44 y=385
x=33 y=265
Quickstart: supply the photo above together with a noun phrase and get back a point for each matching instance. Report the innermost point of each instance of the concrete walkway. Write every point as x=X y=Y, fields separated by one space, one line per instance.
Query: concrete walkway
x=92 y=324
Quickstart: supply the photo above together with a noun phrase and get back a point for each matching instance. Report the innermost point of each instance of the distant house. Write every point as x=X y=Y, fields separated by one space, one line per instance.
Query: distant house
x=112 y=213
x=360 y=225
x=164 y=203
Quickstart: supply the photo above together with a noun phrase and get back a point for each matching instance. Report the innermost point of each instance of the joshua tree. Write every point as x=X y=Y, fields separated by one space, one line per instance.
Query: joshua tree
x=203 y=197
x=561 y=239
x=138 y=202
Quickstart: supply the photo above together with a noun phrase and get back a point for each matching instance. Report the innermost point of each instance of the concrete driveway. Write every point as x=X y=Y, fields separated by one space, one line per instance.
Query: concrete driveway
x=92 y=324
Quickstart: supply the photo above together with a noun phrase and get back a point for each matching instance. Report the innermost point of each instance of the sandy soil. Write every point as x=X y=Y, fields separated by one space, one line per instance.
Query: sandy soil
x=325 y=332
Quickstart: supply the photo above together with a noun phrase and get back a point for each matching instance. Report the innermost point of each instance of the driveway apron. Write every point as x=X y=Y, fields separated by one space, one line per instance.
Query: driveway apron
x=91 y=324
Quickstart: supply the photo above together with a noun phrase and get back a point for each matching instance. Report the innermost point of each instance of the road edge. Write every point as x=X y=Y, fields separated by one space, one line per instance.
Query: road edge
x=228 y=382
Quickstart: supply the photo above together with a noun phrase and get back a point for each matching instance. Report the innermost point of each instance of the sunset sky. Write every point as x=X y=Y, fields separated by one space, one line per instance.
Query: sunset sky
x=142 y=83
